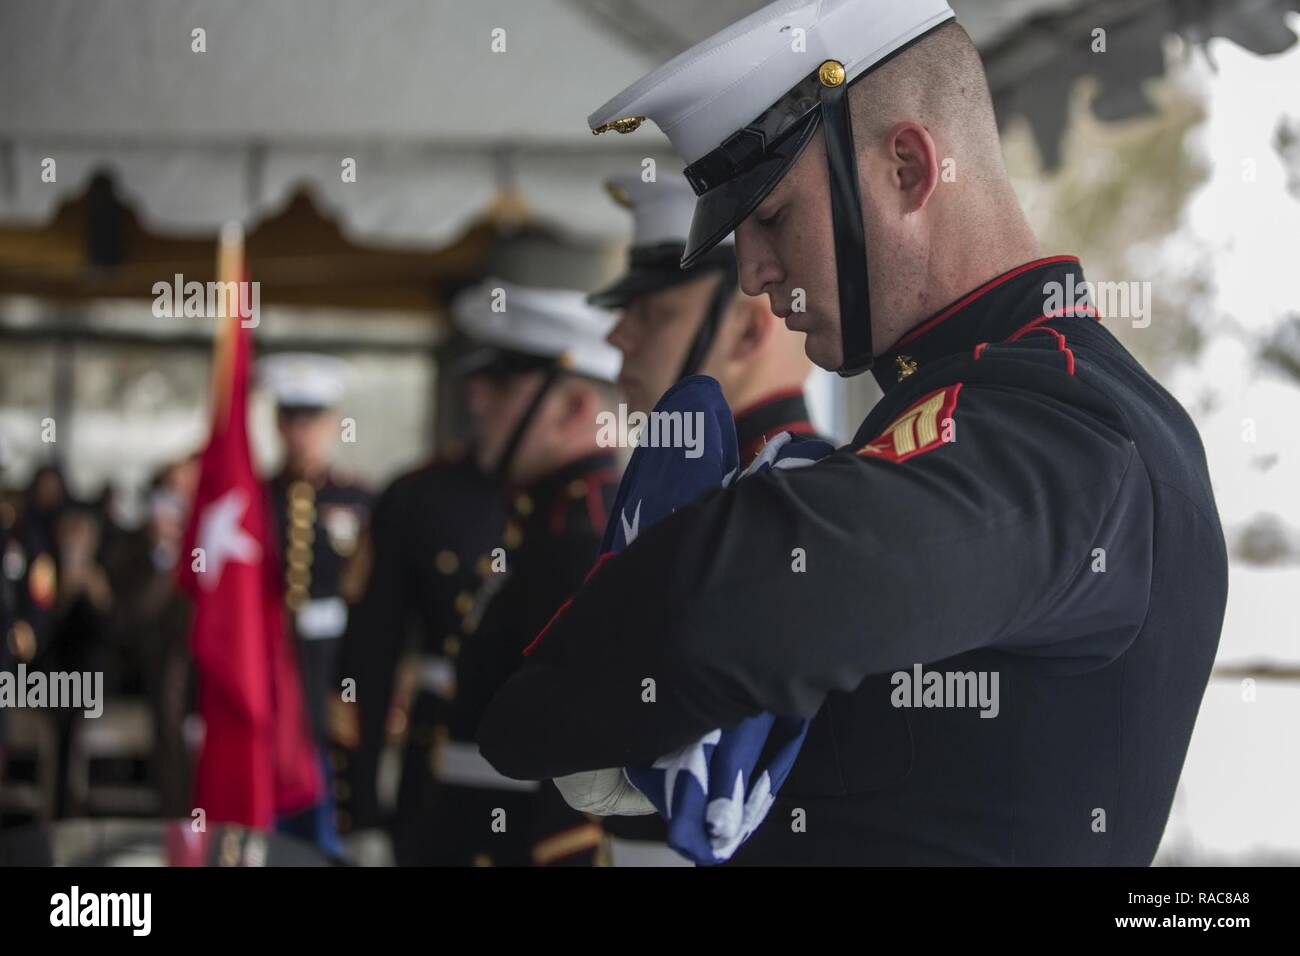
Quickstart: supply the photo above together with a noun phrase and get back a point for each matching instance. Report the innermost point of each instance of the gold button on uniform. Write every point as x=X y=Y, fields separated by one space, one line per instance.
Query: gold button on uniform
x=22 y=641
x=513 y=535
x=447 y=562
x=440 y=738
x=831 y=73
x=523 y=504
x=464 y=602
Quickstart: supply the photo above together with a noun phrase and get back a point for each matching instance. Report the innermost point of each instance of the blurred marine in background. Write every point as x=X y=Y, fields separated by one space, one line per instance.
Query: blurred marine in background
x=676 y=322
x=541 y=377
x=319 y=514
x=421 y=559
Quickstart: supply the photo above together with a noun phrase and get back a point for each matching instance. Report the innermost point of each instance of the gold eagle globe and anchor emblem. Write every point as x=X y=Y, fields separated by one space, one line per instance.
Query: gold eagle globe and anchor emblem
x=625 y=124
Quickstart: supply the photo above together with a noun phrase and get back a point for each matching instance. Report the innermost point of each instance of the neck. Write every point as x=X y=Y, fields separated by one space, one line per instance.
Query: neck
x=532 y=469
x=305 y=471
x=957 y=265
x=756 y=388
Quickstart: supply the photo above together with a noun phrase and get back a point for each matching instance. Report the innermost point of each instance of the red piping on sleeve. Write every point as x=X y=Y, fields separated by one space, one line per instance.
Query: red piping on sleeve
x=532 y=645
x=1060 y=345
x=1049 y=316
x=1036 y=326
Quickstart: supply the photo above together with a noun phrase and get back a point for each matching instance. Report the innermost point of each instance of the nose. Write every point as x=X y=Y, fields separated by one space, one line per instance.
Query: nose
x=756 y=264
x=478 y=395
x=620 y=336
x=624 y=336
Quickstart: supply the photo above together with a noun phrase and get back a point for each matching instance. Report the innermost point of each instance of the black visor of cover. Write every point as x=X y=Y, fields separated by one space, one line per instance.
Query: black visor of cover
x=656 y=267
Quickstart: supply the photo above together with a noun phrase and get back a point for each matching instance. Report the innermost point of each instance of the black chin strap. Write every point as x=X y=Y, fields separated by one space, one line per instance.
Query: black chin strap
x=708 y=331
x=850 y=238
x=502 y=470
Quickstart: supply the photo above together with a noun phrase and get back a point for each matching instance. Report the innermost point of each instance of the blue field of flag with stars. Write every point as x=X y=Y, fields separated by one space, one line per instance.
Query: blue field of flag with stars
x=715 y=792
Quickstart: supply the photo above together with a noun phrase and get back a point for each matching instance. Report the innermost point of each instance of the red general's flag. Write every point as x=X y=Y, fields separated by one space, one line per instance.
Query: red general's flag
x=257 y=760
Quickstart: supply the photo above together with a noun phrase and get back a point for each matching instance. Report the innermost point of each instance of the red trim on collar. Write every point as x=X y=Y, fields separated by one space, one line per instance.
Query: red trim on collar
x=972 y=296
x=793 y=392
x=595 y=506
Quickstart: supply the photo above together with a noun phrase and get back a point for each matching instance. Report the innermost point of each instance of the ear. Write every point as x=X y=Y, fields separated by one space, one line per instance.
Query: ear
x=754 y=325
x=914 y=157
x=579 y=403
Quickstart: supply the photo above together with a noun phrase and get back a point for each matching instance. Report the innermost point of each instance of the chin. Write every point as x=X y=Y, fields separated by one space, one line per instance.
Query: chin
x=823 y=354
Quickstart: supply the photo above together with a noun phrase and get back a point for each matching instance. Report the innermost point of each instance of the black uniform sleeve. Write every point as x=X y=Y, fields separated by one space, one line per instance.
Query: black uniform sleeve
x=543 y=581
x=977 y=542
x=547 y=574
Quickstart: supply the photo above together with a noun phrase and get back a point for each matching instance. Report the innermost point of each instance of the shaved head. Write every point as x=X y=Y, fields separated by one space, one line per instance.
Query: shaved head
x=939 y=83
x=938 y=209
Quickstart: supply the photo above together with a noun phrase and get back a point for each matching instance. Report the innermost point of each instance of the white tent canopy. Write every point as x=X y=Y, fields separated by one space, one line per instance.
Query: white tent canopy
x=437 y=122
x=411 y=90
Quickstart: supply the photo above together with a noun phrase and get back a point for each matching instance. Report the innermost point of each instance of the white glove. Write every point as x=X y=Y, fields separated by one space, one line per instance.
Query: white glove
x=606 y=793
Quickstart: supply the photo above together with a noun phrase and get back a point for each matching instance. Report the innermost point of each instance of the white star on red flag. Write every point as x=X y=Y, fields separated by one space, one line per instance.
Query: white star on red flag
x=222 y=536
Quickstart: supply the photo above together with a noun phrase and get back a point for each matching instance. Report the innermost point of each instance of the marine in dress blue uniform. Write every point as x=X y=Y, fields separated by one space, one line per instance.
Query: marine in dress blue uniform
x=549 y=542
x=1025 y=502
x=649 y=293
x=661 y=211
x=319 y=514
x=422 y=559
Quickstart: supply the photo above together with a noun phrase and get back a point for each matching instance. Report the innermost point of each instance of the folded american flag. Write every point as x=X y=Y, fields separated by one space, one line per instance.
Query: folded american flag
x=713 y=793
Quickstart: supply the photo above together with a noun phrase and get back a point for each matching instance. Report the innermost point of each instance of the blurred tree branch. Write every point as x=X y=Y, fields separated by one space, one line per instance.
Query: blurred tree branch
x=1280 y=351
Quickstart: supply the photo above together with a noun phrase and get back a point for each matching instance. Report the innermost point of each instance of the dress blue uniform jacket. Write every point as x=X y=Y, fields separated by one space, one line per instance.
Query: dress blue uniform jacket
x=1024 y=503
